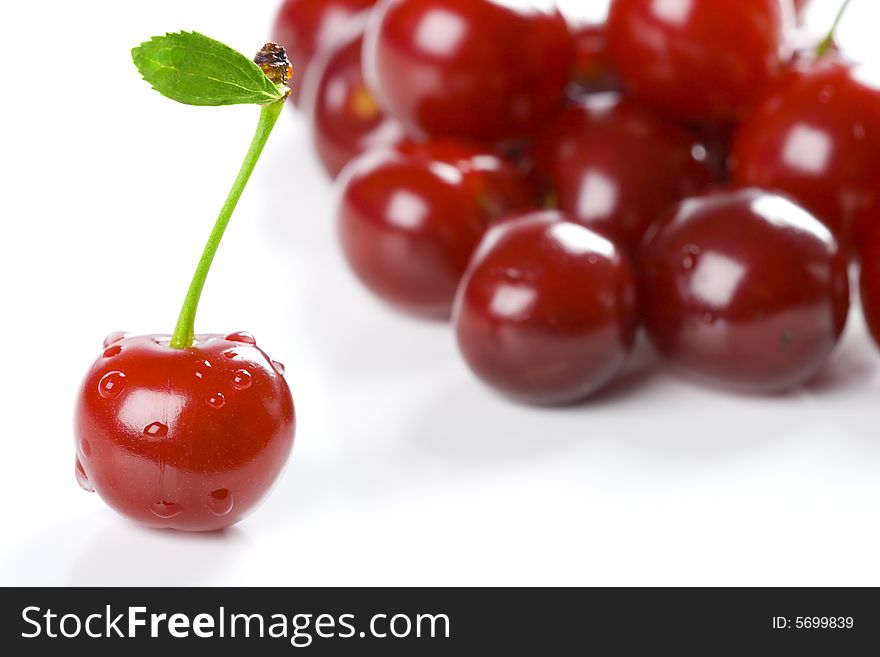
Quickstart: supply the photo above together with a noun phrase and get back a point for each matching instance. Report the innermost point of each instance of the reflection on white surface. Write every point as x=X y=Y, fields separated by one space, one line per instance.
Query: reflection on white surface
x=672 y=11
x=716 y=279
x=779 y=211
x=578 y=240
x=406 y=210
x=439 y=32
x=807 y=149
x=597 y=197
x=513 y=301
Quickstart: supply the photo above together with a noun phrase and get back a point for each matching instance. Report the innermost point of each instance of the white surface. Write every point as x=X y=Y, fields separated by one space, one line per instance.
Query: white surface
x=405 y=470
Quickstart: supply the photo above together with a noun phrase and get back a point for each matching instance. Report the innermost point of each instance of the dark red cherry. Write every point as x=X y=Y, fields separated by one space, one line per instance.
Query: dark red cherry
x=699 y=59
x=305 y=26
x=615 y=165
x=480 y=69
x=593 y=70
x=547 y=311
x=345 y=118
x=744 y=288
x=816 y=137
x=870 y=284
x=409 y=218
x=189 y=439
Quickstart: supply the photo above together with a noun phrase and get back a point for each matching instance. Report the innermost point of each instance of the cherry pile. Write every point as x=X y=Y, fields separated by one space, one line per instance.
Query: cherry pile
x=552 y=184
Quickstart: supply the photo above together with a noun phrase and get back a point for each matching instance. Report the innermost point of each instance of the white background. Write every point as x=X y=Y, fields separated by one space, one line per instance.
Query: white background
x=406 y=471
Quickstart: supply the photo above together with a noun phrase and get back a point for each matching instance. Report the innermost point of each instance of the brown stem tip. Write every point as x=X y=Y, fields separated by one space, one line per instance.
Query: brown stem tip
x=272 y=59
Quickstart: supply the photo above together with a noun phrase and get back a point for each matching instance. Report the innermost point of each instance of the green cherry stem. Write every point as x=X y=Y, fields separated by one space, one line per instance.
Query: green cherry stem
x=184 y=333
x=828 y=41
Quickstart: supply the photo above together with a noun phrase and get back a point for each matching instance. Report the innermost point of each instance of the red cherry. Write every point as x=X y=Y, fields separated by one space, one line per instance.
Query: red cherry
x=345 y=117
x=190 y=439
x=614 y=165
x=481 y=69
x=870 y=285
x=699 y=59
x=305 y=26
x=410 y=218
x=744 y=288
x=816 y=137
x=546 y=312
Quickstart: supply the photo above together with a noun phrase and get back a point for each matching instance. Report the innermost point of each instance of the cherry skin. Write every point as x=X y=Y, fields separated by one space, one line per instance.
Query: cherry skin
x=870 y=285
x=305 y=26
x=345 y=118
x=593 y=71
x=410 y=217
x=744 y=288
x=479 y=69
x=615 y=165
x=189 y=439
x=816 y=137
x=547 y=311
x=699 y=59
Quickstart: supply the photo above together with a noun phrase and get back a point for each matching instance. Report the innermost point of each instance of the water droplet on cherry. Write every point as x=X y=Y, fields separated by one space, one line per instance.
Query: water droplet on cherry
x=278 y=366
x=708 y=318
x=82 y=479
x=115 y=350
x=114 y=337
x=166 y=510
x=230 y=354
x=85 y=448
x=220 y=501
x=156 y=430
x=242 y=336
x=217 y=400
x=111 y=385
x=689 y=257
x=242 y=380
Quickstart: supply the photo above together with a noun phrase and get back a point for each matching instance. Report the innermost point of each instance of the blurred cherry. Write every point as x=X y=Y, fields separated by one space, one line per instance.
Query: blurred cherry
x=700 y=59
x=345 y=118
x=615 y=165
x=744 y=288
x=547 y=311
x=410 y=217
x=816 y=137
x=479 y=69
x=305 y=26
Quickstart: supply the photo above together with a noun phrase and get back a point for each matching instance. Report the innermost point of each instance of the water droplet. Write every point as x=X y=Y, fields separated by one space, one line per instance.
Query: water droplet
x=206 y=363
x=82 y=479
x=85 y=448
x=115 y=350
x=593 y=259
x=156 y=430
x=230 y=354
x=708 y=318
x=165 y=510
x=220 y=501
x=243 y=337
x=279 y=367
x=689 y=256
x=859 y=131
x=828 y=92
x=199 y=375
x=242 y=380
x=114 y=337
x=111 y=385
x=217 y=400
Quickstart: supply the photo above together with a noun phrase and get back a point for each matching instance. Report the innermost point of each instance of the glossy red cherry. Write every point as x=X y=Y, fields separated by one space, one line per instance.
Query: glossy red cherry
x=870 y=285
x=345 y=118
x=305 y=26
x=480 y=69
x=744 y=288
x=699 y=59
x=188 y=439
x=615 y=165
x=409 y=218
x=547 y=311
x=816 y=137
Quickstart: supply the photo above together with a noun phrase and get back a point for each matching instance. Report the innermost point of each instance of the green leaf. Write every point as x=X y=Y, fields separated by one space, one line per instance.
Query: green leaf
x=194 y=69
